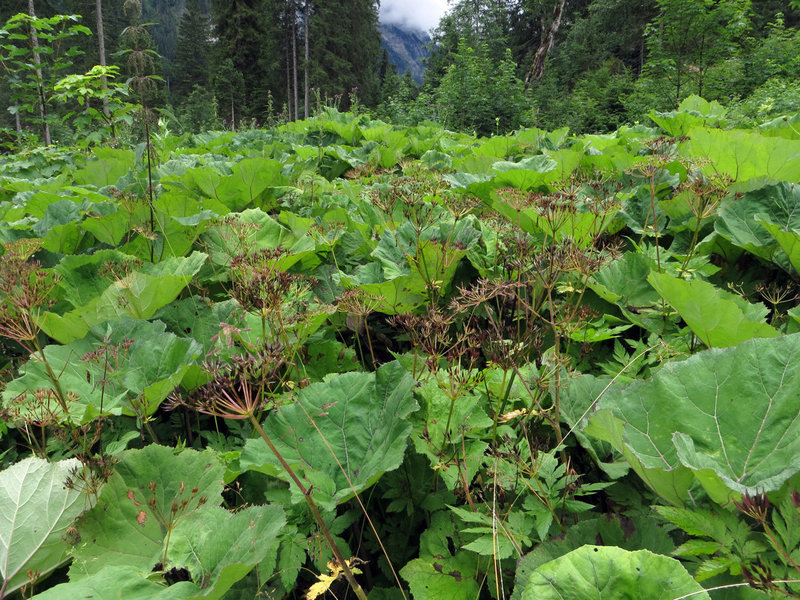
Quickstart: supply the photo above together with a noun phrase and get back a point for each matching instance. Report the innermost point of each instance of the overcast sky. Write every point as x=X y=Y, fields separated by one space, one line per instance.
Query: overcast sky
x=422 y=14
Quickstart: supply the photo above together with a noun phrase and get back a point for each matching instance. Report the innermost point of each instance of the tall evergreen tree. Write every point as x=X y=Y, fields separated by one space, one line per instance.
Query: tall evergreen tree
x=345 y=48
x=192 y=65
x=248 y=34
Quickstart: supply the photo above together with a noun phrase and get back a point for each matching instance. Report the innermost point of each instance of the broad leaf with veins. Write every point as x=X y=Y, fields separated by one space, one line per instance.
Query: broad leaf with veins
x=728 y=416
x=35 y=511
x=341 y=435
x=597 y=572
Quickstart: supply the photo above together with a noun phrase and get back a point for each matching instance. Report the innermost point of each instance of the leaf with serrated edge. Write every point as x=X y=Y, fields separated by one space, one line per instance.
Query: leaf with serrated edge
x=123 y=529
x=597 y=572
x=220 y=548
x=730 y=415
x=359 y=425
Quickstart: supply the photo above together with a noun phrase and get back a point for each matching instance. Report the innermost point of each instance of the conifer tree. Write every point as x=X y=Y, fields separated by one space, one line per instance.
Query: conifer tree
x=345 y=48
x=192 y=64
x=248 y=34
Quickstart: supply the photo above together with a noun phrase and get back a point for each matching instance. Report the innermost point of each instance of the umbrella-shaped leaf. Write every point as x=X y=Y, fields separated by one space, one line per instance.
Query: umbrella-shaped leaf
x=151 y=491
x=35 y=511
x=220 y=548
x=717 y=317
x=729 y=415
x=348 y=430
x=526 y=174
x=595 y=572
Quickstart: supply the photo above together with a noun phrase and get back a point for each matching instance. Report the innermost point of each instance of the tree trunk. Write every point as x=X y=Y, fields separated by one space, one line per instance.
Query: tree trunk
x=537 y=68
x=288 y=86
x=39 y=80
x=305 y=67
x=293 y=17
x=101 y=48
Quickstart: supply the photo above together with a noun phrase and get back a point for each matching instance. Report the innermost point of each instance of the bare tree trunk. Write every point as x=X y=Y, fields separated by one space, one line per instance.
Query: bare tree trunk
x=537 y=68
x=17 y=122
x=37 y=61
x=101 y=47
x=305 y=68
x=288 y=86
x=293 y=17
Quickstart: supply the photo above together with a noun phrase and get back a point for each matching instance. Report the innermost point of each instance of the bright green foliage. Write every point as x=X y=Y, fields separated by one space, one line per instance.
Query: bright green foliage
x=739 y=220
x=117 y=582
x=94 y=123
x=128 y=367
x=35 y=511
x=594 y=572
x=138 y=294
x=151 y=492
x=744 y=155
x=220 y=548
x=493 y=341
x=717 y=317
x=639 y=533
x=698 y=416
x=344 y=433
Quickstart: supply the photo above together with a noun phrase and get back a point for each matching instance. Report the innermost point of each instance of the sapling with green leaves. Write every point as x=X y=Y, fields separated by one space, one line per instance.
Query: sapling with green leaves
x=33 y=52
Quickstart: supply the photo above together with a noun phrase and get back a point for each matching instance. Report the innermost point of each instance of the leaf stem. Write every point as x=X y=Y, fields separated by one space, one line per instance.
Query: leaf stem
x=348 y=574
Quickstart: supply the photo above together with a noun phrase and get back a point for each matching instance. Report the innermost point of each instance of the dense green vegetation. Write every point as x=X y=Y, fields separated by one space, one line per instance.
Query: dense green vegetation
x=230 y=64
x=418 y=349
x=257 y=356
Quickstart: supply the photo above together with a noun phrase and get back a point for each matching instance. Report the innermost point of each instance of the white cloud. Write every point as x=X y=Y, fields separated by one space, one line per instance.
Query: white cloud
x=420 y=14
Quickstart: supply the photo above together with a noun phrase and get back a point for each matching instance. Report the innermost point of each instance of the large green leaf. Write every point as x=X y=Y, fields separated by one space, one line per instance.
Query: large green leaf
x=628 y=533
x=136 y=508
x=114 y=366
x=220 y=548
x=789 y=241
x=118 y=583
x=36 y=508
x=719 y=318
x=598 y=572
x=728 y=415
x=248 y=181
x=138 y=294
x=443 y=571
x=106 y=167
x=342 y=434
x=738 y=220
x=252 y=230
x=744 y=155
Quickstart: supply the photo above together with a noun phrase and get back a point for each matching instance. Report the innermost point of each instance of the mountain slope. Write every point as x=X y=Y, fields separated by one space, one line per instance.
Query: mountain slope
x=407 y=48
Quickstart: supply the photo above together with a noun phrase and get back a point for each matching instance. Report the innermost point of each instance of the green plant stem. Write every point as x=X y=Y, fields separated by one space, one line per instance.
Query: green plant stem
x=779 y=547
x=360 y=503
x=348 y=574
x=60 y=396
x=507 y=388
